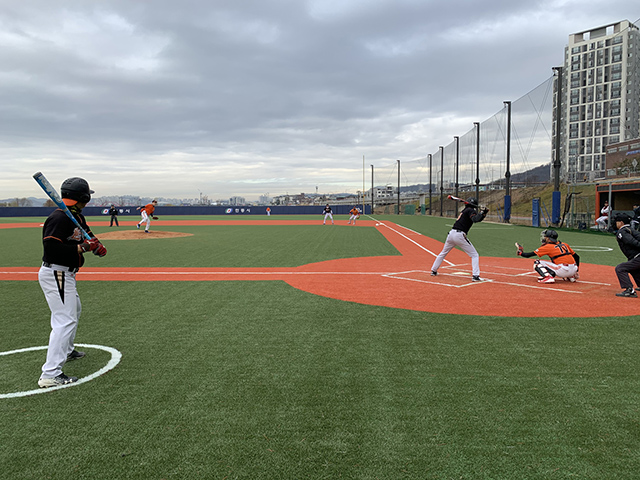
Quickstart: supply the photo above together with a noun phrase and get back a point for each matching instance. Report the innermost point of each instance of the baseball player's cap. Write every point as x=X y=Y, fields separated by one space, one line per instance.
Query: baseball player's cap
x=622 y=217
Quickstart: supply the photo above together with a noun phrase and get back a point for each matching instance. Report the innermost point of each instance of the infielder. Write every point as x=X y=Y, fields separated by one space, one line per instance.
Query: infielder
x=355 y=214
x=629 y=243
x=63 y=248
x=458 y=238
x=327 y=214
x=564 y=261
x=147 y=214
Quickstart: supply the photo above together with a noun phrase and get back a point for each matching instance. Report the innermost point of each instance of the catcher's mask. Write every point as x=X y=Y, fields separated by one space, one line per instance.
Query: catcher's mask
x=549 y=236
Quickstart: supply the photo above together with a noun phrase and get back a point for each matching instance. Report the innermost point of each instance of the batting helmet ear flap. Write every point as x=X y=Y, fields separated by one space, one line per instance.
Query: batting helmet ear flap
x=473 y=201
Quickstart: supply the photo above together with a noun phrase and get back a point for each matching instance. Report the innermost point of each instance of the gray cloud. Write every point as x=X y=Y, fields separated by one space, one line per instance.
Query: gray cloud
x=163 y=98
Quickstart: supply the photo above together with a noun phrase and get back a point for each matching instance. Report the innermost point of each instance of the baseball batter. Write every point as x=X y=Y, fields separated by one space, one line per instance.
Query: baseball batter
x=458 y=238
x=564 y=261
x=63 y=255
x=147 y=214
x=355 y=214
x=328 y=213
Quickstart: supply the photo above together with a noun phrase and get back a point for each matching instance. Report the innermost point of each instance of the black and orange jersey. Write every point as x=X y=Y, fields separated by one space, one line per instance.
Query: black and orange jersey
x=61 y=237
x=149 y=208
x=557 y=252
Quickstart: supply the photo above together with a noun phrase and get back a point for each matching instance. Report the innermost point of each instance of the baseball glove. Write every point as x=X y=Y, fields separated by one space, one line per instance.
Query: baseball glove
x=520 y=249
x=155 y=218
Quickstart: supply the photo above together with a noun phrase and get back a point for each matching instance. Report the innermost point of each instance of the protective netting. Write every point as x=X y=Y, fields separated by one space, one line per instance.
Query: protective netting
x=531 y=146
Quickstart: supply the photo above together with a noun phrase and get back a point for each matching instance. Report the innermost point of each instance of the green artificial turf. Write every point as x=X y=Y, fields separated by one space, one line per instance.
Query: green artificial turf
x=257 y=380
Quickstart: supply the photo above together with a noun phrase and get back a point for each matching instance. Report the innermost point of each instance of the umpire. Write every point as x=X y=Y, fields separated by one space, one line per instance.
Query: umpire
x=113 y=211
x=629 y=242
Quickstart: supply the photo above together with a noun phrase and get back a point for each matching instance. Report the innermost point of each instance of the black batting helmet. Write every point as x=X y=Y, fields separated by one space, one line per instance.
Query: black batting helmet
x=76 y=188
x=550 y=234
x=473 y=201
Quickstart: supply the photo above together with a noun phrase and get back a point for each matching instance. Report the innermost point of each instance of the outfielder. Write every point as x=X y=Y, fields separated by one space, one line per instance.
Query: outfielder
x=355 y=214
x=327 y=214
x=63 y=248
x=147 y=214
x=564 y=261
x=458 y=238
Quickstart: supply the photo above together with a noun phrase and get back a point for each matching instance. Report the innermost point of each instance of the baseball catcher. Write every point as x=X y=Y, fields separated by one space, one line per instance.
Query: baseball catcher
x=564 y=261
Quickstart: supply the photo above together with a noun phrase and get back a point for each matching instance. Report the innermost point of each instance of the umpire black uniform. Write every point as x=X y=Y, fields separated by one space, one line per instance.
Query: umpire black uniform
x=629 y=243
x=113 y=211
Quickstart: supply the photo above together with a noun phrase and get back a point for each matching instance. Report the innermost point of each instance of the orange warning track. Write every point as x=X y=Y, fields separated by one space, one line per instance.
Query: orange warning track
x=402 y=281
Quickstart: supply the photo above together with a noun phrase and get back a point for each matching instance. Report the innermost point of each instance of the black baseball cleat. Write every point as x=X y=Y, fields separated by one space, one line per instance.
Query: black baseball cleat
x=476 y=278
x=61 y=379
x=629 y=292
x=434 y=273
x=75 y=355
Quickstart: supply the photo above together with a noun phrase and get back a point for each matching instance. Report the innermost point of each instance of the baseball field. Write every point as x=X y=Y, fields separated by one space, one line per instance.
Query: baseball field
x=279 y=348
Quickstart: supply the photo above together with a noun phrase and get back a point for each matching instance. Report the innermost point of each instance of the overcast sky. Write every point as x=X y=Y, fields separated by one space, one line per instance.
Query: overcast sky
x=173 y=98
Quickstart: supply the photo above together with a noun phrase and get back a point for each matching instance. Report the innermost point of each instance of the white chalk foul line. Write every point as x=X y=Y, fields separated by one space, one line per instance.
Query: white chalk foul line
x=414 y=242
x=115 y=359
x=115 y=272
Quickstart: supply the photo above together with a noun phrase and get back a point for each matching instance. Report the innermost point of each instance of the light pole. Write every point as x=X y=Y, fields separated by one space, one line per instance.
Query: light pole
x=477 y=125
x=441 y=180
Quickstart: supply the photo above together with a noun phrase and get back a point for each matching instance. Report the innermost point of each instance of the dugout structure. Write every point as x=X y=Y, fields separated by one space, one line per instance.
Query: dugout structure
x=622 y=196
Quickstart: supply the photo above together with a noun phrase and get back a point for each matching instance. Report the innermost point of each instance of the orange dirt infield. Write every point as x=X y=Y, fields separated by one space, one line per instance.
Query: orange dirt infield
x=511 y=289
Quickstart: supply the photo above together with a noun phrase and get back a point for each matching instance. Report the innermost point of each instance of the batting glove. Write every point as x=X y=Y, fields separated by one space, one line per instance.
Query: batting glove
x=101 y=251
x=90 y=245
x=520 y=249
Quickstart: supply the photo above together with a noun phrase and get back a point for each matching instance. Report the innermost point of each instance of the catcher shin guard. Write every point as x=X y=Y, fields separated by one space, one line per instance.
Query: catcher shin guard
x=544 y=271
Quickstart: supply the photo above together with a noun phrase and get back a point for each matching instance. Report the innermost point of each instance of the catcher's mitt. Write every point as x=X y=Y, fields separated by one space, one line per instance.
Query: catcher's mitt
x=155 y=218
x=520 y=249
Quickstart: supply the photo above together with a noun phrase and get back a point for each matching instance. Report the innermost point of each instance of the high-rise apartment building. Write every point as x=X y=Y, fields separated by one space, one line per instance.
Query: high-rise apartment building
x=600 y=97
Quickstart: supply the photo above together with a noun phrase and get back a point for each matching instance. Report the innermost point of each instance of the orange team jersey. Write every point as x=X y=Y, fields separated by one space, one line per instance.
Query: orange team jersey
x=149 y=208
x=558 y=252
x=353 y=211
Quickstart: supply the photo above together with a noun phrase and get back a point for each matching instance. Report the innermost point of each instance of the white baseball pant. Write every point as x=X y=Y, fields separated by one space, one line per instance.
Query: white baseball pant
x=145 y=218
x=325 y=217
x=59 y=287
x=562 y=270
x=457 y=238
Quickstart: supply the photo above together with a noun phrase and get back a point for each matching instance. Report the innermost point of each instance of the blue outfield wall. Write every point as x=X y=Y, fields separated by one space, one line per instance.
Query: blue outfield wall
x=90 y=211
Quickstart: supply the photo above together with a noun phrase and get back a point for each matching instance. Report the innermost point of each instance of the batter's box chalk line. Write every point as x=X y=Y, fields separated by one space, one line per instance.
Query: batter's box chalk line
x=436 y=280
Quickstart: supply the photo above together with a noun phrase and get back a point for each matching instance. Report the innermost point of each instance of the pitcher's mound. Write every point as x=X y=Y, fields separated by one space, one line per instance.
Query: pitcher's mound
x=140 y=235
